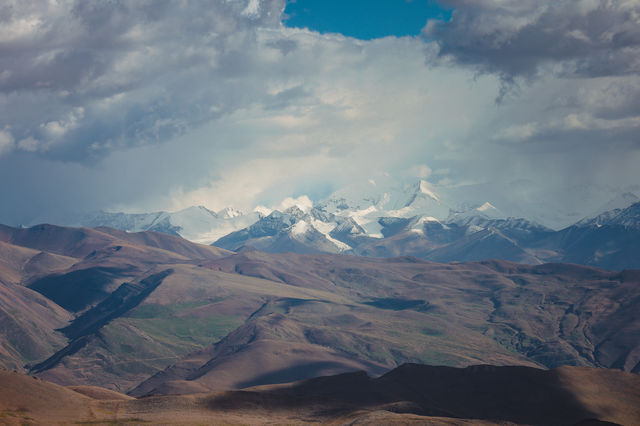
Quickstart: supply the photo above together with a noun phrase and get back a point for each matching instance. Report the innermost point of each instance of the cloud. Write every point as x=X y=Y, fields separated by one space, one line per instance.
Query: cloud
x=302 y=202
x=522 y=38
x=87 y=77
x=150 y=105
x=6 y=141
x=421 y=170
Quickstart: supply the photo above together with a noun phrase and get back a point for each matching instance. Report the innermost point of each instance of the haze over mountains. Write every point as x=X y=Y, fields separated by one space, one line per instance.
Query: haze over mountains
x=390 y=219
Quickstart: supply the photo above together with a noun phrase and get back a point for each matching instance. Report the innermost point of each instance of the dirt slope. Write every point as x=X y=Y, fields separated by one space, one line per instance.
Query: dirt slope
x=410 y=394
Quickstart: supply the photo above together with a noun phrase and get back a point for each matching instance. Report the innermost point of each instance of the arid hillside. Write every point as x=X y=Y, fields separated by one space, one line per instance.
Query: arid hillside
x=154 y=314
x=410 y=394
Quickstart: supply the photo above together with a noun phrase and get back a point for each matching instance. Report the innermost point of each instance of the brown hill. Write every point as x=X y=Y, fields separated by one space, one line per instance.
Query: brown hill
x=25 y=399
x=522 y=395
x=48 y=272
x=79 y=242
x=136 y=304
x=410 y=394
x=272 y=349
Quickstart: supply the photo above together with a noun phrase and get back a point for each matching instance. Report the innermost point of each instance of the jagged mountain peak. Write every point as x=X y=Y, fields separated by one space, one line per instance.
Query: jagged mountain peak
x=620 y=201
x=426 y=188
x=475 y=214
x=195 y=209
x=229 y=213
x=628 y=217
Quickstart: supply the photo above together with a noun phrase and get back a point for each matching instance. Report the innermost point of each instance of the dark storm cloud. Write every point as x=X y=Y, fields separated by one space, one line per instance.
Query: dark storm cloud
x=79 y=79
x=590 y=48
x=516 y=38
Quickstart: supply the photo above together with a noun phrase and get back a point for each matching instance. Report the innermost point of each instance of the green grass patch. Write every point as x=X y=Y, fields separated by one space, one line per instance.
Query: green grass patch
x=153 y=310
x=189 y=330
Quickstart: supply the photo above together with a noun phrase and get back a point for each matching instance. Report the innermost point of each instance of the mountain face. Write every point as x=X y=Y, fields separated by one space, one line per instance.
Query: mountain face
x=610 y=240
x=294 y=230
x=197 y=224
x=386 y=219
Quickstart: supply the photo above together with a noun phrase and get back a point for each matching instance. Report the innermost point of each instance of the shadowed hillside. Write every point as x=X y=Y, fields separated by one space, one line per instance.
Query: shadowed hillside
x=410 y=394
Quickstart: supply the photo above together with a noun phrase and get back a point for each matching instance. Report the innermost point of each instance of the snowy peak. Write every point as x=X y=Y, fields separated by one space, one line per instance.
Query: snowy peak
x=475 y=215
x=369 y=201
x=229 y=213
x=619 y=202
x=425 y=188
x=295 y=212
x=420 y=200
x=195 y=211
x=628 y=217
x=291 y=230
x=488 y=209
x=419 y=224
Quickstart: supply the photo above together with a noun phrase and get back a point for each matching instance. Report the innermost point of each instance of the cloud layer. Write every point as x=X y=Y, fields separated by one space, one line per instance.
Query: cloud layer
x=586 y=38
x=82 y=78
x=163 y=104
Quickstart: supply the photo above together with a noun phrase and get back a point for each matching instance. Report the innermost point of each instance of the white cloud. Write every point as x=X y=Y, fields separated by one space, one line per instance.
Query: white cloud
x=252 y=9
x=6 y=141
x=421 y=171
x=29 y=144
x=302 y=202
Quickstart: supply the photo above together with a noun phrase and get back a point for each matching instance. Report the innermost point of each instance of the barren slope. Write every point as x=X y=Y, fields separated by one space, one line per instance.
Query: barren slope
x=410 y=394
x=137 y=308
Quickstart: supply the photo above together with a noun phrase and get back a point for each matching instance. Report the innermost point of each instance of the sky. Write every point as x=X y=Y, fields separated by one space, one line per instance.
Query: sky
x=533 y=105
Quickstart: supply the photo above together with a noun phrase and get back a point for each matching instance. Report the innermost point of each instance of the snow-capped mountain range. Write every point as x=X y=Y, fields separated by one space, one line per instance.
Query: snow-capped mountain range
x=357 y=205
x=386 y=219
x=197 y=223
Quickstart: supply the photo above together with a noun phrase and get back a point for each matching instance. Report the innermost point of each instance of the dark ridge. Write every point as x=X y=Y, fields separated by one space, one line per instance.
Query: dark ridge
x=289 y=374
x=522 y=395
x=76 y=290
x=73 y=347
x=87 y=325
x=125 y=298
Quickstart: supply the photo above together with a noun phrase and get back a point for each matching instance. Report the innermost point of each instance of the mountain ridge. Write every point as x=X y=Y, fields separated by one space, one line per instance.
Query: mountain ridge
x=383 y=219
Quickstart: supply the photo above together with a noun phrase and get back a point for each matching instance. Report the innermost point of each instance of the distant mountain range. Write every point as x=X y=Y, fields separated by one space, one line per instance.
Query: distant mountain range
x=197 y=223
x=399 y=221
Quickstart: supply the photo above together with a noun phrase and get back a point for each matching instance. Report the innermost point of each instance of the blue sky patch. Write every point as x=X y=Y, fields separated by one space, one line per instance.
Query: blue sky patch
x=364 y=19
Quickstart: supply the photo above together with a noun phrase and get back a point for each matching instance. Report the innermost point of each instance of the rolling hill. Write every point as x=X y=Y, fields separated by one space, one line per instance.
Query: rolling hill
x=149 y=313
x=409 y=394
